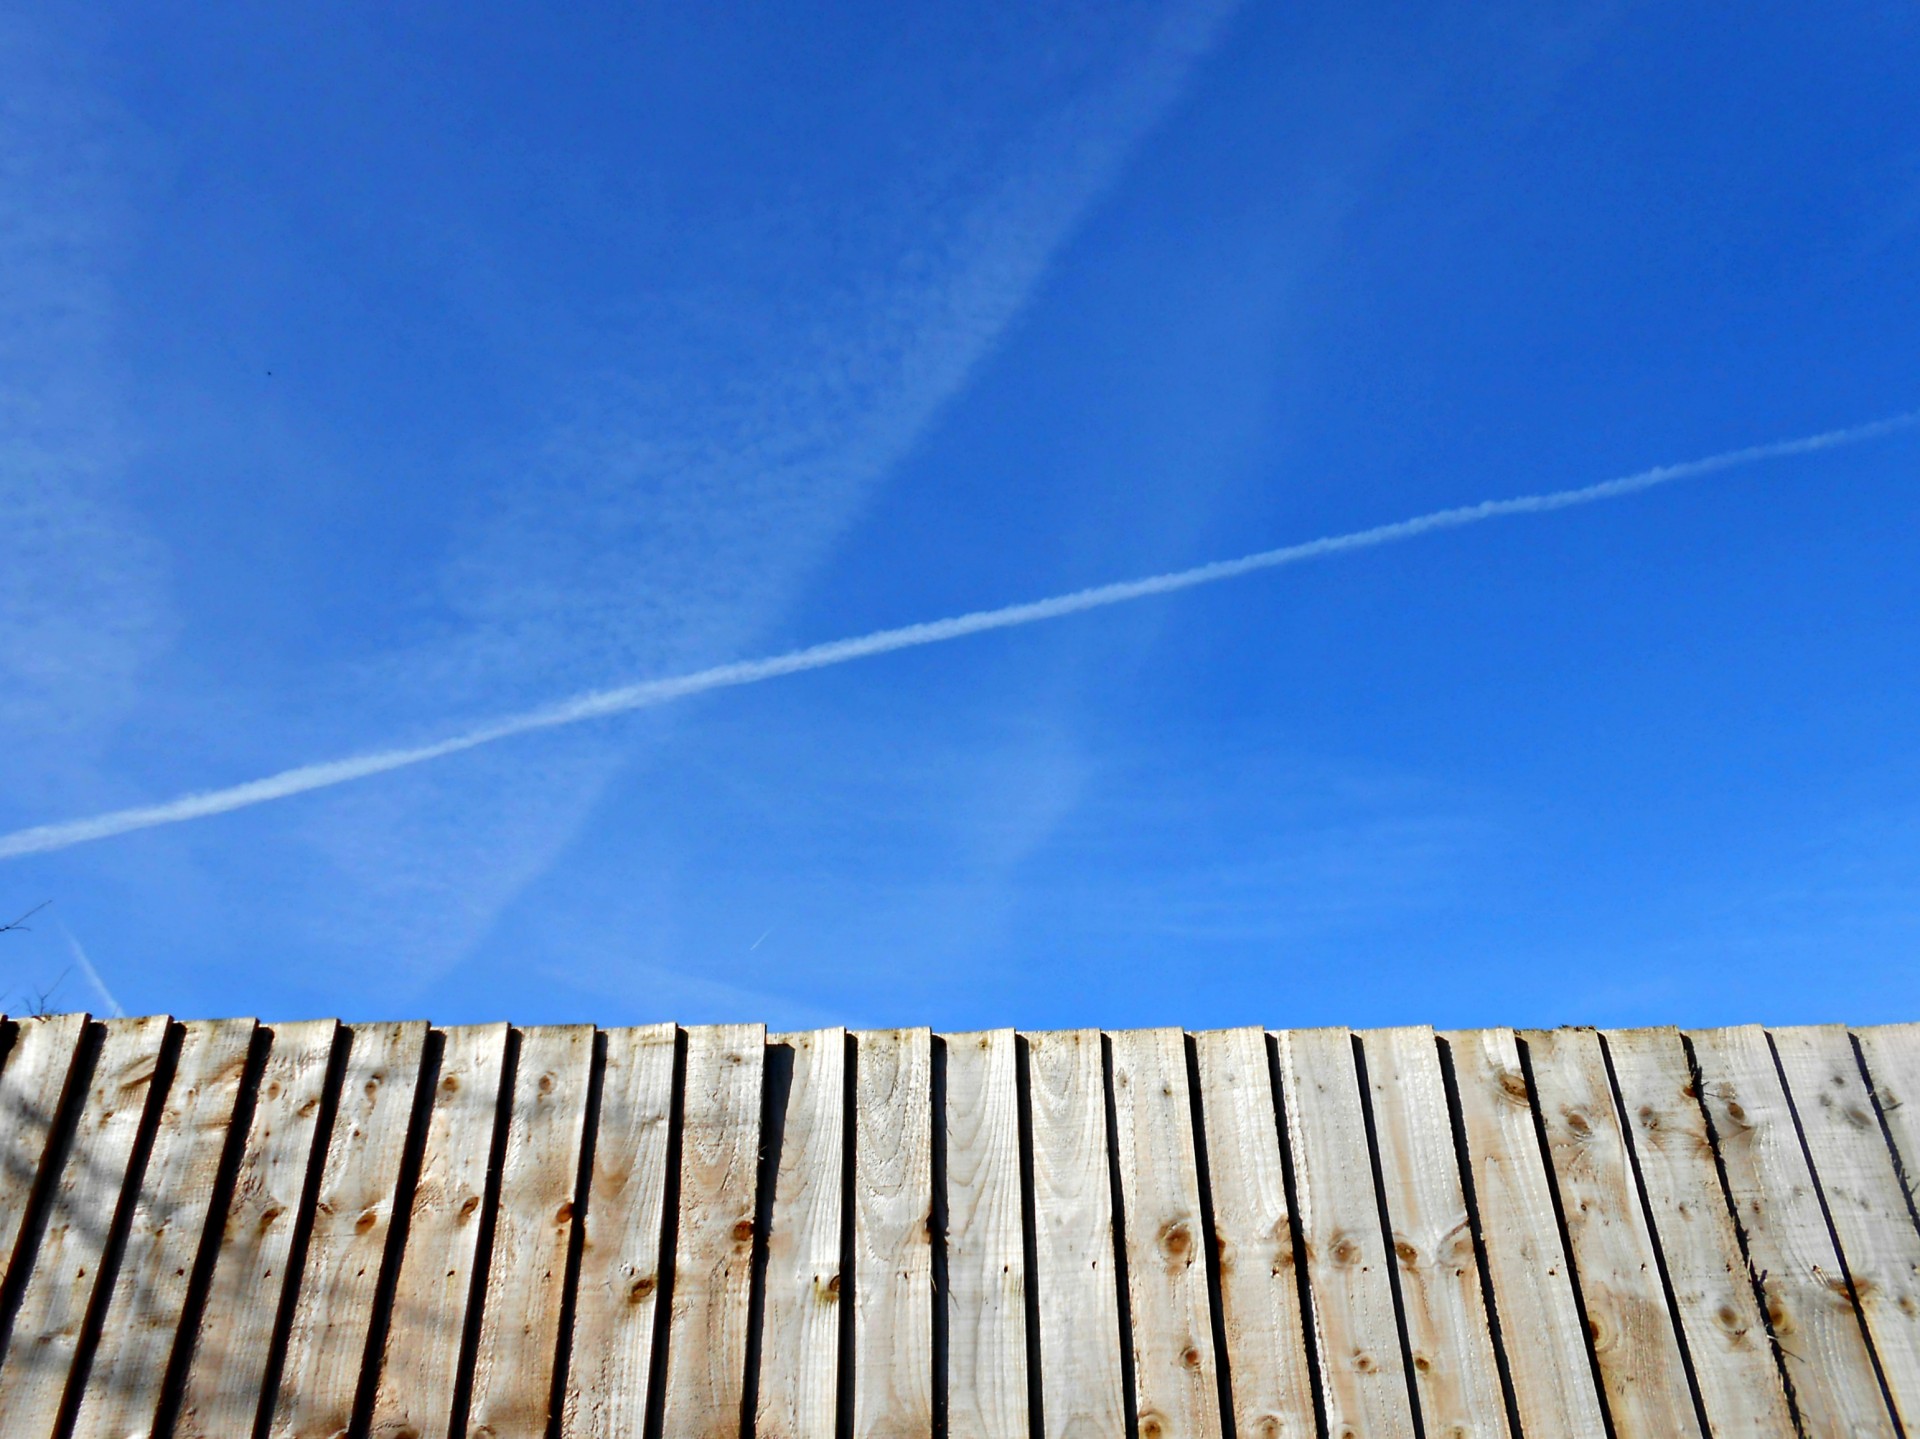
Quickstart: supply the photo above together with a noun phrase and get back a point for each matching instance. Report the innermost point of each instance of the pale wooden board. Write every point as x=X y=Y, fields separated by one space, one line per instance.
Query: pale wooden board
x=1259 y=1277
x=1726 y=1334
x=418 y=1368
x=1788 y=1242
x=1364 y=1380
x=713 y=1247
x=986 y=1250
x=800 y=1346
x=31 y=1087
x=533 y=1226
x=1634 y=1335
x=230 y=1352
x=1892 y=1053
x=1864 y=1199
x=333 y=1308
x=610 y=1362
x=1448 y=1333
x=1082 y=1385
x=892 y=1235
x=53 y=1306
x=1175 y=1386
x=1546 y=1346
x=137 y=1333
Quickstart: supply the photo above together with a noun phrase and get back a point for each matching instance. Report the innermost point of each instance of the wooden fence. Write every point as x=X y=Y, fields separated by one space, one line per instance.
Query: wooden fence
x=225 y=1229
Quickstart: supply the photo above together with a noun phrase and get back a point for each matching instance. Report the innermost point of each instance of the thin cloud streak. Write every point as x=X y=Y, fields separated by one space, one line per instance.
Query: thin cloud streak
x=92 y=975
x=601 y=703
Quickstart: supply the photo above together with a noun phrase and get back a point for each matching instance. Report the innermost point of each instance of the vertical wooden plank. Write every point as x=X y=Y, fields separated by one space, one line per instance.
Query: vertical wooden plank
x=142 y=1319
x=230 y=1352
x=1080 y=1375
x=1259 y=1278
x=1634 y=1338
x=892 y=1233
x=713 y=1248
x=1175 y=1386
x=420 y=1364
x=1733 y=1357
x=1864 y=1199
x=610 y=1363
x=333 y=1308
x=1546 y=1346
x=1892 y=1053
x=800 y=1348
x=1448 y=1332
x=1788 y=1242
x=53 y=1306
x=1363 y=1378
x=31 y=1088
x=986 y=1249
x=533 y=1225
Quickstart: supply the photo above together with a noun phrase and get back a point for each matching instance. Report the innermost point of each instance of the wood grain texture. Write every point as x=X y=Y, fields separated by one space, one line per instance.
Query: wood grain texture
x=1176 y=1393
x=986 y=1249
x=892 y=1235
x=1634 y=1336
x=800 y=1348
x=610 y=1363
x=66 y=1266
x=142 y=1319
x=32 y=1087
x=1733 y=1358
x=1455 y=1371
x=1864 y=1198
x=1259 y=1276
x=713 y=1249
x=1546 y=1343
x=1363 y=1377
x=419 y=1365
x=533 y=1226
x=1892 y=1055
x=1082 y=1393
x=353 y=1213
x=1788 y=1242
x=228 y=1368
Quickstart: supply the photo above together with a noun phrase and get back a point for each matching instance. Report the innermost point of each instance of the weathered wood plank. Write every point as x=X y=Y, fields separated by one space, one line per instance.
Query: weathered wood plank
x=1788 y=1242
x=333 y=1307
x=986 y=1250
x=1892 y=1053
x=1082 y=1384
x=713 y=1248
x=1259 y=1278
x=800 y=1347
x=1175 y=1385
x=66 y=1266
x=1864 y=1198
x=533 y=1227
x=1634 y=1335
x=1546 y=1346
x=1733 y=1357
x=142 y=1321
x=1363 y=1378
x=610 y=1363
x=1447 y=1328
x=31 y=1089
x=230 y=1352
x=420 y=1360
x=892 y=1235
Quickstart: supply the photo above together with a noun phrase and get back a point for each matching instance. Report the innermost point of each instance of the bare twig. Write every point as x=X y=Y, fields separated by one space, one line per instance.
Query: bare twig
x=21 y=923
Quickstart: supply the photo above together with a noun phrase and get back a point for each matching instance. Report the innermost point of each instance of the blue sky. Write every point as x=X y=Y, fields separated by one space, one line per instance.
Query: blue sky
x=365 y=376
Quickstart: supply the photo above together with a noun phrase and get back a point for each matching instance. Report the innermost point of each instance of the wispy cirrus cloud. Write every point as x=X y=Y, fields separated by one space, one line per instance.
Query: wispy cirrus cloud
x=665 y=522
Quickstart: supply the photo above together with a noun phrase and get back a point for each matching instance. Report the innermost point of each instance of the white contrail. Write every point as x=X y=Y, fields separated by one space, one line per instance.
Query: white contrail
x=598 y=703
x=93 y=975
